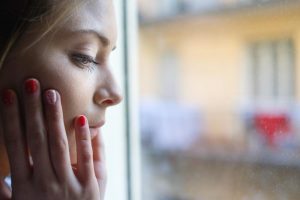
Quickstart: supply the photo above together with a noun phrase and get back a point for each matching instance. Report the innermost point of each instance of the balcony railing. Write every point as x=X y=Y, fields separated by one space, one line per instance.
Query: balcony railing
x=161 y=10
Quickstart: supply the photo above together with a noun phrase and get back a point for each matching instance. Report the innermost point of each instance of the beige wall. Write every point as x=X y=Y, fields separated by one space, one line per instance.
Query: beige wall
x=211 y=51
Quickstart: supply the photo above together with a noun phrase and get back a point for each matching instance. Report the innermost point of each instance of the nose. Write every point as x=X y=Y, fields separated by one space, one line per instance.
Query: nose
x=108 y=93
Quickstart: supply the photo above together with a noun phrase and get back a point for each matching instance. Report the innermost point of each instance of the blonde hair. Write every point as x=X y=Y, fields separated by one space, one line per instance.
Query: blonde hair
x=49 y=13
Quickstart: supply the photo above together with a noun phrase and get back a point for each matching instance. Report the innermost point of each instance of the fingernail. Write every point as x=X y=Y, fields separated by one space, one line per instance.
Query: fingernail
x=7 y=97
x=31 y=86
x=51 y=97
x=81 y=121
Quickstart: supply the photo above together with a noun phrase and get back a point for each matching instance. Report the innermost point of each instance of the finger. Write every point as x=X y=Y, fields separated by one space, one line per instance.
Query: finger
x=58 y=142
x=99 y=163
x=84 y=149
x=5 y=192
x=14 y=137
x=99 y=157
x=36 y=131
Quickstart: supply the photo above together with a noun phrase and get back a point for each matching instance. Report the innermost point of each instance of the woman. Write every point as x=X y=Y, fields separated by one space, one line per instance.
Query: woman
x=56 y=84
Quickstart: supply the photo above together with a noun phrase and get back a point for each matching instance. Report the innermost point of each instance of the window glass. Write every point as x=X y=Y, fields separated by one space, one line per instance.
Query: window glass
x=114 y=131
x=219 y=99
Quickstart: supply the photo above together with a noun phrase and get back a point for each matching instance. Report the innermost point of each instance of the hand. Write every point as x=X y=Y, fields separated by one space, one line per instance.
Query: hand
x=50 y=174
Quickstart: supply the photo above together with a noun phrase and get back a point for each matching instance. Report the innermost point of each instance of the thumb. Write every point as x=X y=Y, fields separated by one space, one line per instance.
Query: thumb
x=99 y=163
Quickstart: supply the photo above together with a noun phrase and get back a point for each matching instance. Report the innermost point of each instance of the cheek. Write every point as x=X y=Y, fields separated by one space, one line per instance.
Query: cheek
x=55 y=71
x=76 y=100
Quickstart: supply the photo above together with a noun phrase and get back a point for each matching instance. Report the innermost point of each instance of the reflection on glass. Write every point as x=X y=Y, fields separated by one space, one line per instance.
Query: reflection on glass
x=219 y=97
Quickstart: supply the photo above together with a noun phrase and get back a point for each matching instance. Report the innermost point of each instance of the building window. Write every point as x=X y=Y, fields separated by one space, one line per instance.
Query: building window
x=272 y=71
x=169 y=76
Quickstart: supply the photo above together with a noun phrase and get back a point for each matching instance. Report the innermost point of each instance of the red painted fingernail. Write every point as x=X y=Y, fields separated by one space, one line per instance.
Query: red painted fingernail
x=7 y=97
x=31 y=86
x=81 y=121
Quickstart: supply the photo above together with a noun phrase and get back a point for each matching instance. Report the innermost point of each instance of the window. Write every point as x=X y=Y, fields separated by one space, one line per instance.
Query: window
x=169 y=74
x=272 y=71
x=122 y=148
x=219 y=100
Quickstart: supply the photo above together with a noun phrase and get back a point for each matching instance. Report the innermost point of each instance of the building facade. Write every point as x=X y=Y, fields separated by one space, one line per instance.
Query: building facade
x=237 y=61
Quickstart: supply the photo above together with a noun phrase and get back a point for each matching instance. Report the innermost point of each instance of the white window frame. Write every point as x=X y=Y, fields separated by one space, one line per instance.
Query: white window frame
x=120 y=133
x=265 y=91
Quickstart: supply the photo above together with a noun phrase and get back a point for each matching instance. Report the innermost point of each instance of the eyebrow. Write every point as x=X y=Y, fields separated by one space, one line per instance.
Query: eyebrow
x=104 y=40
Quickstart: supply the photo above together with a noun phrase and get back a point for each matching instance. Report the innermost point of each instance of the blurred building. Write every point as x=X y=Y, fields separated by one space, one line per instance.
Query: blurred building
x=236 y=60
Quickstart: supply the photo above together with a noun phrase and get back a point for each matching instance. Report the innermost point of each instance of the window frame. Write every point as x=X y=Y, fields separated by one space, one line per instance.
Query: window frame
x=121 y=135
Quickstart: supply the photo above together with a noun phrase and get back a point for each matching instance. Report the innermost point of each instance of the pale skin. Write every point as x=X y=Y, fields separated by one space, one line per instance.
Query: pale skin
x=70 y=66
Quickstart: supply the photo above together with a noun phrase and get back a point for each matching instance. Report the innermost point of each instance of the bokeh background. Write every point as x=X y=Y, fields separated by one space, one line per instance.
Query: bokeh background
x=219 y=99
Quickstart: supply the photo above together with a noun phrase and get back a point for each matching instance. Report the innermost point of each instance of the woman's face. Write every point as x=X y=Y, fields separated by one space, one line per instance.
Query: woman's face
x=74 y=61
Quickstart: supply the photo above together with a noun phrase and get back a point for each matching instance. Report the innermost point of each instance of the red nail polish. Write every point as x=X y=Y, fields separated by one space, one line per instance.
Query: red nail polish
x=7 y=97
x=81 y=121
x=31 y=86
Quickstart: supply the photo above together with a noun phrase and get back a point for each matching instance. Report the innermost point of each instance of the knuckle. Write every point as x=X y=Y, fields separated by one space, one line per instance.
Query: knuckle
x=48 y=189
x=11 y=139
x=59 y=145
x=89 y=188
x=54 y=114
x=101 y=171
x=37 y=139
x=86 y=154
x=33 y=105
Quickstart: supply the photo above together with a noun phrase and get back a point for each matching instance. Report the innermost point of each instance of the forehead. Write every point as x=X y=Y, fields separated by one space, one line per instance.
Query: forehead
x=96 y=15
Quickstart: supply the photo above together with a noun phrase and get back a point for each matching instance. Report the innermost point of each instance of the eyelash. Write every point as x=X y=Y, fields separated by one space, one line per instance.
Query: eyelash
x=84 y=61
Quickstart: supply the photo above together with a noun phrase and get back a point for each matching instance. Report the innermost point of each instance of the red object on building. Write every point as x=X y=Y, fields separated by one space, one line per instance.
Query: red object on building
x=272 y=126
